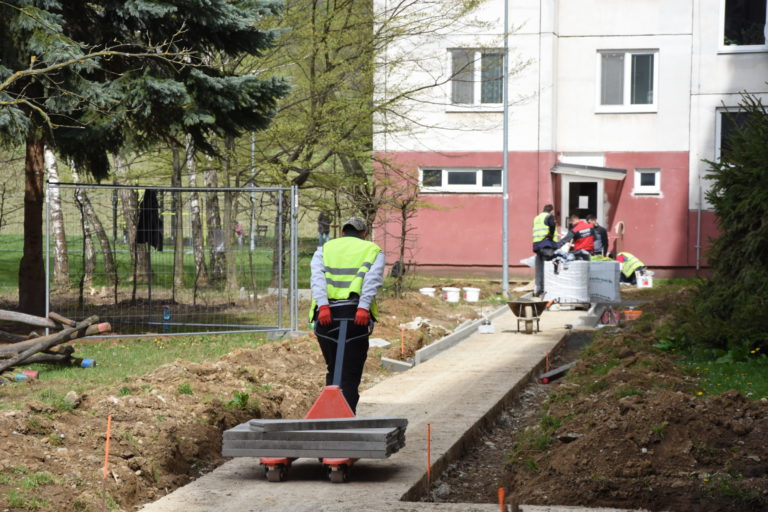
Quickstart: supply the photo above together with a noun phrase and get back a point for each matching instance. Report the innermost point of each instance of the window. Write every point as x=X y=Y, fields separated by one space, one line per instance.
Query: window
x=476 y=76
x=647 y=182
x=461 y=180
x=628 y=80
x=743 y=25
x=728 y=122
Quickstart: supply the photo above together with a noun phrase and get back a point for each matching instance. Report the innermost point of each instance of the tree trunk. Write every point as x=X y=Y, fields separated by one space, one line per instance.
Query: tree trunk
x=178 y=224
x=60 y=259
x=97 y=228
x=215 y=233
x=201 y=273
x=281 y=226
x=130 y=205
x=89 y=252
x=31 y=270
x=229 y=222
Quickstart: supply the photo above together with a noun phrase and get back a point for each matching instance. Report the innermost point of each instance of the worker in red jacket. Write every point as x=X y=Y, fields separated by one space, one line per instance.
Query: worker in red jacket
x=583 y=235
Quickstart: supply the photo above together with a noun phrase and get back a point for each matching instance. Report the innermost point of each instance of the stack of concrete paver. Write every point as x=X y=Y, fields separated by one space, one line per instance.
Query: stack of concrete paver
x=370 y=438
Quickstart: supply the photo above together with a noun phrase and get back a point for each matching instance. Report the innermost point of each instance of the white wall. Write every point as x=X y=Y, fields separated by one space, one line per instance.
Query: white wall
x=580 y=128
x=717 y=77
x=442 y=127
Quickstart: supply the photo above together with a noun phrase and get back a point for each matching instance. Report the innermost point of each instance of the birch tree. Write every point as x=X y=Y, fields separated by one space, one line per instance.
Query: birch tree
x=60 y=257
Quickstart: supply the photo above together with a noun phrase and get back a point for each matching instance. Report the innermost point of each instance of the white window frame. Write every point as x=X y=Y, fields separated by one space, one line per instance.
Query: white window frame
x=646 y=190
x=444 y=187
x=747 y=48
x=626 y=106
x=476 y=106
x=719 y=127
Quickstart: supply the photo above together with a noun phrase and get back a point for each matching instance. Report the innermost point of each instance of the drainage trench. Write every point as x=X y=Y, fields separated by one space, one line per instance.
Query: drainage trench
x=473 y=461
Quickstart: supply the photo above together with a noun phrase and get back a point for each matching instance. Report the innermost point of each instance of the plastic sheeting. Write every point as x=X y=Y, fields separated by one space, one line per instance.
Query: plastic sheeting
x=569 y=285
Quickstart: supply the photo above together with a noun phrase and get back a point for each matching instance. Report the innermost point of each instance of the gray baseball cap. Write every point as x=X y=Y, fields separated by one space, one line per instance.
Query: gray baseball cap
x=355 y=222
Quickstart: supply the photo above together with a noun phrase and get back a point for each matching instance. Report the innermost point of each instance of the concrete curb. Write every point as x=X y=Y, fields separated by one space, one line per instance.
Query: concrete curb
x=431 y=350
x=395 y=365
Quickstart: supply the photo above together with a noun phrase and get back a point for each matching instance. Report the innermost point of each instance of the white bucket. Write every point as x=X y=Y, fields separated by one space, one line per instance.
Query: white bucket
x=430 y=292
x=451 y=294
x=644 y=280
x=471 y=294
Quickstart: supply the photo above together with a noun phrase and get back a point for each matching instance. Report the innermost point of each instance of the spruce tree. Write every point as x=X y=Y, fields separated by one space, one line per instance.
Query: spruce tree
x=86 y=78
x=730 y=308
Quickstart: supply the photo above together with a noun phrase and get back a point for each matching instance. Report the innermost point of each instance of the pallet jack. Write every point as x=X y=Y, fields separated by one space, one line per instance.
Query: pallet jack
x=330 y=404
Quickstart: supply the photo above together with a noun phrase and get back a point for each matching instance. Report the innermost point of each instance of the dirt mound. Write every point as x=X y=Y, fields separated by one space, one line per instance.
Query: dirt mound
x=166 y=427
x=628 y=428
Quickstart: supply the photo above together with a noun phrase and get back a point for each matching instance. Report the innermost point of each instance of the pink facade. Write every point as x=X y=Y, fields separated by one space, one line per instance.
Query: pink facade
x=464 y=229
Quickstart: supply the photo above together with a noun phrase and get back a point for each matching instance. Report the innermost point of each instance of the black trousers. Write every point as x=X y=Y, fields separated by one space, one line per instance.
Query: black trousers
x=355 y=352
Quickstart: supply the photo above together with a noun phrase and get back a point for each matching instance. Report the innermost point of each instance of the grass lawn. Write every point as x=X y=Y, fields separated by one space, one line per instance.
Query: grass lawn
x=117 y=361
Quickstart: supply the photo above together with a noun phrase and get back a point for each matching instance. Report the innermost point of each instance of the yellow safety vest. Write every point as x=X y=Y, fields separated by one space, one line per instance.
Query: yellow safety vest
x=631 y=264
x=540 y=229
x=346 y=261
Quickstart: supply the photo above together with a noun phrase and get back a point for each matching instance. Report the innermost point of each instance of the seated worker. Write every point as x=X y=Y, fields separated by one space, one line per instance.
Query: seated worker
x=601 y=236
x=583 y=237
x=629 y=265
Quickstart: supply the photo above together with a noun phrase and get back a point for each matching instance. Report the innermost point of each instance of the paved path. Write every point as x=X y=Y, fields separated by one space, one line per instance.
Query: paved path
x=454 y=392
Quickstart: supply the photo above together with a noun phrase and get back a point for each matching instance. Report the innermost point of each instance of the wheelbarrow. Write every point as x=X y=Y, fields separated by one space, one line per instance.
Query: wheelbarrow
x=528 y=313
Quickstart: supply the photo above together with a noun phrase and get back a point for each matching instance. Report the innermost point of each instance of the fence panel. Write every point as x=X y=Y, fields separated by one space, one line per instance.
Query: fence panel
x=173 y=260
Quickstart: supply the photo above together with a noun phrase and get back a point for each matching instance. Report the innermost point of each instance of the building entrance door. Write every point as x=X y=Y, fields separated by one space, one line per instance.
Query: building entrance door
x=581 y=196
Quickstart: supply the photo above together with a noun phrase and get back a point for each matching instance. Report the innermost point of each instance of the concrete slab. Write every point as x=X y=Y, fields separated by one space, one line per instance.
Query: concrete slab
x=456 y=393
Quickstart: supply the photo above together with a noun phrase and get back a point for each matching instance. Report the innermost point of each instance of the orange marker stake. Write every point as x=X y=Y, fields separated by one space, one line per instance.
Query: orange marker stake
x=501 y=499
x=106 y=448
x=402 y=342
x=429 y=456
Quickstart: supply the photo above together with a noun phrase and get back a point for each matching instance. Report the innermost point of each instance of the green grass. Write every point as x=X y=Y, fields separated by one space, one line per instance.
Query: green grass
x=750 y=378
x=118 y=361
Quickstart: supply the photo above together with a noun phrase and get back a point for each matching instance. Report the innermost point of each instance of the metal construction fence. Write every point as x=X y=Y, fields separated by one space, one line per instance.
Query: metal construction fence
x=173 y=260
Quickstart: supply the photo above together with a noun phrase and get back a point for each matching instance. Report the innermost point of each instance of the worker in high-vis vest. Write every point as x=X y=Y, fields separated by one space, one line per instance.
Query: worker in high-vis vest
x=544 y=244
x=629 y=265
x=347 y=272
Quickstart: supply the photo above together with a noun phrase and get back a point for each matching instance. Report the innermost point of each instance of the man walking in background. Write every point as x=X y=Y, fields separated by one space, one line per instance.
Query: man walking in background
x=544 y=244
x=347 y=272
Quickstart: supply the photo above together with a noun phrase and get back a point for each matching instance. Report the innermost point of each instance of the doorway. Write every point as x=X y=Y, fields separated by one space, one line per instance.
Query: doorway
x=582 y=196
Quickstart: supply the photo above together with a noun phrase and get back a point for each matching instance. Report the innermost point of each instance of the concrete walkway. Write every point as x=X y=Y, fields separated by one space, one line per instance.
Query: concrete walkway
x=454 y=392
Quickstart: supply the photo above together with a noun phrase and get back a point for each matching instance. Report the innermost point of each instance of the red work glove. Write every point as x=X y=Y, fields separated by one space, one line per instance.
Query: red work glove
x=362 y=317
x=324 y=315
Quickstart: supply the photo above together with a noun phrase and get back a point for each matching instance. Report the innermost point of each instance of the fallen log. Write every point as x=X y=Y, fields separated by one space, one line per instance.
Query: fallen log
x=47 y=358
x=66 y=350
x=61 y=319
x=10 y=337
x=24 y=318
x=91 y=330
x=46 y=342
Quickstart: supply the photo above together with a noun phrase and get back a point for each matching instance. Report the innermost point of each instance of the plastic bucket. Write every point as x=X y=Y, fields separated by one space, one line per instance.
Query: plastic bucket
x=644 y=280
x=451 y=294
x=632 y=314
x=471 y=294
x=430 y=292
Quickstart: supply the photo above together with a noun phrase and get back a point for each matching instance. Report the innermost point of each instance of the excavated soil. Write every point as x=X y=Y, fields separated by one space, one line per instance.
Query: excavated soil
x=166 y=425
x=626 y=428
